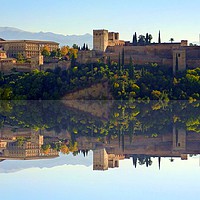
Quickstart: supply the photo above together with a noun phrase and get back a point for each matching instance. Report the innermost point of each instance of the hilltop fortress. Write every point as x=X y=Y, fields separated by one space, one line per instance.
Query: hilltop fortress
x=106 y=45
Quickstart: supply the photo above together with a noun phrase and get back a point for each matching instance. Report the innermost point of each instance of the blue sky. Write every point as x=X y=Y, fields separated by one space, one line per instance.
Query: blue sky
x=177 y=180
x=175 y=18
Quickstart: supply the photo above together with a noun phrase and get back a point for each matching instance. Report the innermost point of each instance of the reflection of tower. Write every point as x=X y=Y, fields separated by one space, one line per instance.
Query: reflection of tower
x=100 y=159
x=179 y=139
x=103 y=160
x=135 y=160
x=159 y=163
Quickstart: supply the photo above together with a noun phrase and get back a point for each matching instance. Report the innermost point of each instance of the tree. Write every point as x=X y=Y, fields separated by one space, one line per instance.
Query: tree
x=150 y=38
x=59 y=55
x=191 y=44
x=64 y=50
x=119 y=61
x=53 y=53
x=109 y=62
x=159 y=38
x=45 y=51
x=147 y=38
x=141 y=40
x=73 y=61
x=171 y=40
x=20 y=58
x=64 y=149
x=46 y=149
x=156 y=95
x=131 y=69
x=123 y=58
x=84 y=47
x=6 y=93
x=75 y=46
x=135 y=39
x=1 y=78
x=73 y=52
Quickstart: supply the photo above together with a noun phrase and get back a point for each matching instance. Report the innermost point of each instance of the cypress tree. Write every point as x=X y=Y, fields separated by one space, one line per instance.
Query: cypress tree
x=159 y=38
x=147 y=38
x=119 y=61
x=109 y=62
x=135 y=39
x=123 y=58
x=73 y=61
x=131 y=69
x=84 y=47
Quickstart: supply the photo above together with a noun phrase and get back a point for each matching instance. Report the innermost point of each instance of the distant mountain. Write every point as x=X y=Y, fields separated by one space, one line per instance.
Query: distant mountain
x=10 y=33
x=12 y=166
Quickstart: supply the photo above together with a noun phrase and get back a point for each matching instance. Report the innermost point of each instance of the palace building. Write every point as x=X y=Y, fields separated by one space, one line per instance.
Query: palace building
x=27 y=48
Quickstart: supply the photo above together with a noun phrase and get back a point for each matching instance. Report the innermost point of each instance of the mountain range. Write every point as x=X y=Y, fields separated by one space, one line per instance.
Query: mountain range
x=10 y=33
x=12 y=166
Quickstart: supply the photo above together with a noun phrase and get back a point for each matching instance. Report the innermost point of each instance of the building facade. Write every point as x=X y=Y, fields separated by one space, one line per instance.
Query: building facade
x=27 y=48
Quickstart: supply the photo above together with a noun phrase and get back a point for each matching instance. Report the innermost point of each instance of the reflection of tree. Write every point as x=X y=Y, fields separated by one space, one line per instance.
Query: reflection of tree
x=126 y=118
x=135 y=160
x=142 y=160
x=46 y=148
x=85 y=152
x=20 y=141
x=64 y=149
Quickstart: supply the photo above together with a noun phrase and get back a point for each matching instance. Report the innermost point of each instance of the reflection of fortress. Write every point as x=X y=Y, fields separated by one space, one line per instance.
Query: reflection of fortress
x=23 y=144
x=108 y=153
x=107 y=44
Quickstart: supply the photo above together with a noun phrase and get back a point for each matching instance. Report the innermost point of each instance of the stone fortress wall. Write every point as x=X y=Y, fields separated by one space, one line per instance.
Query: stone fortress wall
x=180 y=56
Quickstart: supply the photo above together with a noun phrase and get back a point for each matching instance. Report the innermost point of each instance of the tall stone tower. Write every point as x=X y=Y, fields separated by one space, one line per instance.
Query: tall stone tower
x=179 y=60
x=100 y=40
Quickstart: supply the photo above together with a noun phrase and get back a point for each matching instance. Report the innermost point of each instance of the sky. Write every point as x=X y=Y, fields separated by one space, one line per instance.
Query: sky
x=178 y=19
x=177 y=180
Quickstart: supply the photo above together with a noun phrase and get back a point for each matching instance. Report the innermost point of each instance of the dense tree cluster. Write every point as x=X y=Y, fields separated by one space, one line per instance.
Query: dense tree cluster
x=125 y=118
x=51 y=84
x=156 y=83
x=61 y=52
x=142 y=40
x=126 y=81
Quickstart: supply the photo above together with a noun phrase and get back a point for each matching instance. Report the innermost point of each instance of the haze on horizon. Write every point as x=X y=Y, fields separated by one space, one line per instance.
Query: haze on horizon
x=176 y=19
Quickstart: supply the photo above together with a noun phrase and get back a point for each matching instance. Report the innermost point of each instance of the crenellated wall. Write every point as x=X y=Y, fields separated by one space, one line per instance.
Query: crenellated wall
x=176 y=55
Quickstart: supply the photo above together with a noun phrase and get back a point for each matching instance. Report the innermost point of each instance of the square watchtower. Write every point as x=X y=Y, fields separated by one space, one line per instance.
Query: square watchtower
x=100 y=40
